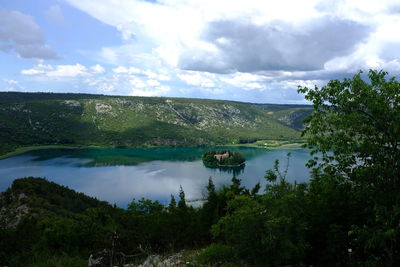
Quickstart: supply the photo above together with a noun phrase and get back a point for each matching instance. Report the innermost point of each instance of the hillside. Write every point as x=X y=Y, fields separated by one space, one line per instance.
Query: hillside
x=38 y=218
x=46 y=224
x=39 y=197
x=28 y=119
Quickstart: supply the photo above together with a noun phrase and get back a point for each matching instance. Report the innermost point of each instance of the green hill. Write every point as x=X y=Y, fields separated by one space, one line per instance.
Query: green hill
x=30 y=119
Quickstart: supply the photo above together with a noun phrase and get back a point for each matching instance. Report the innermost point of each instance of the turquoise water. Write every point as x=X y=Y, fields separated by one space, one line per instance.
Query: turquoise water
x=119 y=175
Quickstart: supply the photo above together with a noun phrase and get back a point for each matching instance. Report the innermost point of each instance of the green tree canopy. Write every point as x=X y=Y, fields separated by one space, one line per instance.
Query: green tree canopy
x=356 y=125
x=354 y=134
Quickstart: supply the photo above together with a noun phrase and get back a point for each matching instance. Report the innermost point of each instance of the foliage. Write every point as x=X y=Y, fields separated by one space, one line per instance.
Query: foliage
x=216 y=254
x=266 y=229
x=35 y=119
x=59 y=221
x=355 y=128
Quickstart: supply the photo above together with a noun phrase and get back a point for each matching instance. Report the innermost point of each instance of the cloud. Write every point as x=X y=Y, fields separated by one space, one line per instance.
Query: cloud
x=20 y=33
x=253 y=50
x=126 y=54
x=358 y=9
x=64 y=70
x=60 y=70
x=67 y=71
x=247 y=81
x=167 y=28
x=98 y=69
x=154 y=91
x=312 y=38
x=12 y=85
x=37 y=70
x=153 y=83
x=10 y=81
x=126 y=84
x=227 y=36
x=33 y=71
x=198 y=79
x=130 y=70
x=162 y=75
x=55 y=15
x=121 y=80
x=246 y=47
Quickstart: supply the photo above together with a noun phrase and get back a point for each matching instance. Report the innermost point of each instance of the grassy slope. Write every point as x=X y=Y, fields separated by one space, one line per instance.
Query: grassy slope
x=30 y=119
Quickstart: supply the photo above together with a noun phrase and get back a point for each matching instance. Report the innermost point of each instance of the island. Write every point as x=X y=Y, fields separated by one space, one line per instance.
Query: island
x=223 y=158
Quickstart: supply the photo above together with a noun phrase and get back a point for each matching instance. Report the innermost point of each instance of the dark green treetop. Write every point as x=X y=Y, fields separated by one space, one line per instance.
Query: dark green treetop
x=356 y=124
x=354 y=134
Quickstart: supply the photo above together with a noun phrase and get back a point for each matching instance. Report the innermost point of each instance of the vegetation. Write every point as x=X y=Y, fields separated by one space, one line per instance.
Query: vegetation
x=43 y=223
x=356 y=129
x=82 y=120
x=279 y=143
x=223 y=158
x=347 y=215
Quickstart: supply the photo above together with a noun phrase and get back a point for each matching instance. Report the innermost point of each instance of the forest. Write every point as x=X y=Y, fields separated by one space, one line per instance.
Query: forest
x=348 y=214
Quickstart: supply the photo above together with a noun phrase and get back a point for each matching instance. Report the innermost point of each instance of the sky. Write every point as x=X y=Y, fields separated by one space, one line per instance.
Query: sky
x=252 y=51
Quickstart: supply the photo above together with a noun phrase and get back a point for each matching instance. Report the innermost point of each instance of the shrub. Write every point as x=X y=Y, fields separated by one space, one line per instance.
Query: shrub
x=216 y=253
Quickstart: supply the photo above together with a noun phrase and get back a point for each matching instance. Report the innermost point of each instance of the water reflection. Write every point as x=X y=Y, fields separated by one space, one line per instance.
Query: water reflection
x=97 y=157
x=235 y=171
x=154 y=179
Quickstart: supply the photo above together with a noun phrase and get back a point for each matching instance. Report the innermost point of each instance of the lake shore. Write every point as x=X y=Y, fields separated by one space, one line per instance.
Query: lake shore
x=224 y=166
x=231 y=166
x=25 y=149
x=280 y=146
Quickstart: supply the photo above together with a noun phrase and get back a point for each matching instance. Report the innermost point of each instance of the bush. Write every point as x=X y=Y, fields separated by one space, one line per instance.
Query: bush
x=216 y=253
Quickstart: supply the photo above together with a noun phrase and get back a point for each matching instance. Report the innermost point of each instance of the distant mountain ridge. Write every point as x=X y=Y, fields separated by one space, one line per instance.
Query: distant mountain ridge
x=28 y=119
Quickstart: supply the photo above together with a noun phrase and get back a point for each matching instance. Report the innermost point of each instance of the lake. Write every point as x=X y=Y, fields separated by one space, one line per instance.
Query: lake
x=119 y=175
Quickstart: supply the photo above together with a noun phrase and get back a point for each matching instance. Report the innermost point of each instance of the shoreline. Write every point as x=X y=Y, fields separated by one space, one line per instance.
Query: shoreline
x=25 y=149
x=281 y=146
x=230 y=166
x=224 y=166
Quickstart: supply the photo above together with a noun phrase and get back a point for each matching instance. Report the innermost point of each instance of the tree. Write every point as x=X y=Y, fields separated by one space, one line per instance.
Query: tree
x=182 y=201
x=172 y=204
x=354 y=134
x=356 y=126
x=268 y=230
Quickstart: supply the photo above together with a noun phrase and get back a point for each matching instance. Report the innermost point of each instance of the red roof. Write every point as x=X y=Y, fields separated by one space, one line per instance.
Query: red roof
x=220 y=156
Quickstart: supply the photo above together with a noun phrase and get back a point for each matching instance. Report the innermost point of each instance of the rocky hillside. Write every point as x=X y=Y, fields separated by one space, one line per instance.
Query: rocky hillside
x=81 y=119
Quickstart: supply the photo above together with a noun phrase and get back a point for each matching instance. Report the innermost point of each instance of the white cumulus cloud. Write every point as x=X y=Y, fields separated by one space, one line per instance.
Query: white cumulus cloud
x=153 y=91
x=255 y=50
x=198 y=79
x=97 y=69
x=57 y=71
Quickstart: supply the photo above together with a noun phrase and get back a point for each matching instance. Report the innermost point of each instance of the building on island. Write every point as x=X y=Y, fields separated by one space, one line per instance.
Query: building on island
x=221 y=156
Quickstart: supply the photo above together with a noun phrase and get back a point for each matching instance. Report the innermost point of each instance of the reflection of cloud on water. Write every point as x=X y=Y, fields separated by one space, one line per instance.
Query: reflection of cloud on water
x=67 y=161
x=130 y=182
x=153 y=180
x=156 y=172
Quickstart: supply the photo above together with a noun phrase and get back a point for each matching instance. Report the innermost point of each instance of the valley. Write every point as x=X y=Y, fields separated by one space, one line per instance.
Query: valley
x=82 y=120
